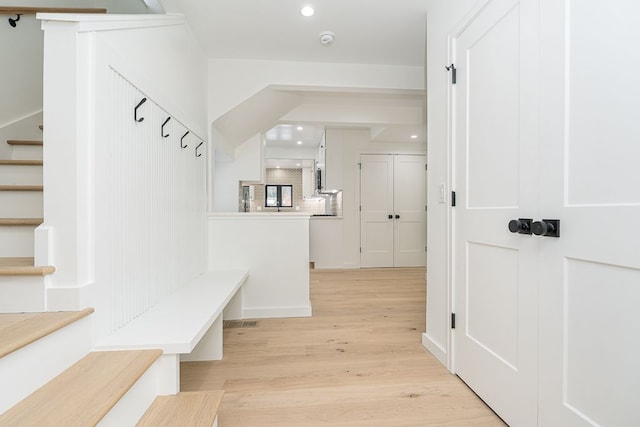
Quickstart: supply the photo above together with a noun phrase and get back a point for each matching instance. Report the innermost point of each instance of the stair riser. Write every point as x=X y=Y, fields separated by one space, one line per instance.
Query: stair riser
x=132 y=406
x=20 y=175
x=21 y=204
x=22 y=294
x=27 y=152
x=16 y=241
x=27 y=369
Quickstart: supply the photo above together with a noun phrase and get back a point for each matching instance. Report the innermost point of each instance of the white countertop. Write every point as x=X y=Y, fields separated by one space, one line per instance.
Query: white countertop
x=254 y=215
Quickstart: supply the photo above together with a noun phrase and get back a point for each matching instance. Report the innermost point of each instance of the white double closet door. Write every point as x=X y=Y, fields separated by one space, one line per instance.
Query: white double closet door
x=392 y=210
x=545 y=126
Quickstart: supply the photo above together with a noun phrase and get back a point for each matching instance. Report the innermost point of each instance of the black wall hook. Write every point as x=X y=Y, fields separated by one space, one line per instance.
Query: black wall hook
x=181 y=139
x=198 y=155
x=12 y=21
x=135 y=111
x=162 y=128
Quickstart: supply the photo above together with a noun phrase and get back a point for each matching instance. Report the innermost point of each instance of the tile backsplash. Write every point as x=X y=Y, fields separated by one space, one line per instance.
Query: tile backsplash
x=283 y=177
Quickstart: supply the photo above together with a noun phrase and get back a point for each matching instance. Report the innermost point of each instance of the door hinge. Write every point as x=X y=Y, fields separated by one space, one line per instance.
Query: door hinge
x=360 y=208
x=453 y=198
x=452 y=68
x=360 y=166
x=426 y=167
x=361 y=250
x=425 y=207
x=425 y=249
x=453 y=320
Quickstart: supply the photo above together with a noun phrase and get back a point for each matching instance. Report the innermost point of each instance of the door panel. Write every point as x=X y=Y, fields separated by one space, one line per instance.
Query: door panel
x=492 y=63
x=376 y=200
x=492 y=271
x=495 y=179
x=590 y=276
x=409 y=200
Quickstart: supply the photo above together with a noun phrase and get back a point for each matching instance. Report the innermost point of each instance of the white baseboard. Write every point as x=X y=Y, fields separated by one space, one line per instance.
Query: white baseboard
x=435 y=349
x=275 y=312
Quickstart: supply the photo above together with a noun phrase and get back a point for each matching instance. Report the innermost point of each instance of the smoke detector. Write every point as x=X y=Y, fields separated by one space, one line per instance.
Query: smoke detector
x=327 y=38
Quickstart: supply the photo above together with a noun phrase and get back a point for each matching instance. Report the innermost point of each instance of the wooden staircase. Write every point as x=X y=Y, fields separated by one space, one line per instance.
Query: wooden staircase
x=22 y=283
x=49 y=374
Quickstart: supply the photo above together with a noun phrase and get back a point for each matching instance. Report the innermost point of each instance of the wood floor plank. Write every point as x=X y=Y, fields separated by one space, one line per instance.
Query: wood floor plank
x=19 y=330
x=358 y=361
x=84 y=393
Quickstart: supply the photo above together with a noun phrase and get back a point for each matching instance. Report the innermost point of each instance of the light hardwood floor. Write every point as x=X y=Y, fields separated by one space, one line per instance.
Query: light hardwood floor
x=357 y=362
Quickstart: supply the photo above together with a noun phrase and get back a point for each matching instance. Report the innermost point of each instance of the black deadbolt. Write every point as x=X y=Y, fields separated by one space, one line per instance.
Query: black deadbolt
x=546 y=227
x=520 y=226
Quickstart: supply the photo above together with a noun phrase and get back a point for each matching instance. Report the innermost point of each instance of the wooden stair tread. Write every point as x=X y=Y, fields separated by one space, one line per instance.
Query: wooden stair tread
x=21 y=221
x=195 y=409
x=21 y=188
x=18 y=330
x=83 y=394
x=21 y=162
x=13 y=10
x=24 y=142
x=23 y=267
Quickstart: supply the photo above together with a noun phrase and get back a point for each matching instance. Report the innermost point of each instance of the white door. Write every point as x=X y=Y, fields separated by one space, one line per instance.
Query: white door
x=376 y=216
x=495 y=179
x=393 y=217
x=590 y=152
x=409 y=201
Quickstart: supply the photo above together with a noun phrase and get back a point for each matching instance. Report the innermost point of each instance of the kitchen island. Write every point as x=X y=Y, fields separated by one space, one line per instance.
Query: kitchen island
x=274 y=247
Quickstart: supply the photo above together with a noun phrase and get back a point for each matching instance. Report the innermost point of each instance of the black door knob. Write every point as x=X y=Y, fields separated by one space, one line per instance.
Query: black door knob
x=546 y=227
x=397 y=216
x=520 y=225
x=390 y=216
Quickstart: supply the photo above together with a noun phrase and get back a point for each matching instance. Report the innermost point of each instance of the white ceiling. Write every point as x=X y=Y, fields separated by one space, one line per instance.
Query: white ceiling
x=288 y=135
x=367 y=31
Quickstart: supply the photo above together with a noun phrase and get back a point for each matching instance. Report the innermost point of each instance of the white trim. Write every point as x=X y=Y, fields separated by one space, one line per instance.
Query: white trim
x=435 y=349
x=276 y=312
x=109 y=22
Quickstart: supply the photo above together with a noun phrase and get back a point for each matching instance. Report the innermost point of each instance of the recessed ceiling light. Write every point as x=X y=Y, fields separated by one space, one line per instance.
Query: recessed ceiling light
x=299 y=142
x=297 y=164
x=300 y=128
x=307 y=11
x=414 y=136
x=277 y=167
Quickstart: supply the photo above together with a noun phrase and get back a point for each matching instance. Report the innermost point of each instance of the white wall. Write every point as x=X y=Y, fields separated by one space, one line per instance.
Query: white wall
x=442 y=17
x=246 y=165
x=232 y=81
x=21 y=51
x=21 y=84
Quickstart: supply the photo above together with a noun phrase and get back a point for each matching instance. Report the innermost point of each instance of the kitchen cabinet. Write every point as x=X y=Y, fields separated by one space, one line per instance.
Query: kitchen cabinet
x=308 y=183
x=325 y=242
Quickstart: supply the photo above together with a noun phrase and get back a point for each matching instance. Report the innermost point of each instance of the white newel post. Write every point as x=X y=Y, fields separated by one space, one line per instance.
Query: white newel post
x=65 y=240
